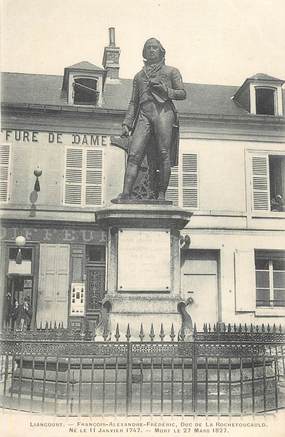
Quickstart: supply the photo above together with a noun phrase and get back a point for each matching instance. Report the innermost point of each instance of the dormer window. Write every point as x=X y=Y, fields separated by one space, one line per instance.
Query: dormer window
x=265 y=100
x=83 y=84
x=85 y=91
x=261 y=94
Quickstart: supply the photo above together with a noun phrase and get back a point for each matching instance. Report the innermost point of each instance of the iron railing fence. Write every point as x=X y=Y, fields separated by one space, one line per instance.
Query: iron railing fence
x=222 y=370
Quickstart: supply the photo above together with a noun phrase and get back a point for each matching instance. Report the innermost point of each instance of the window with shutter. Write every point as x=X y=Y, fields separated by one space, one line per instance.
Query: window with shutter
x=4 y=171
x=94 y=177
x=183 y=185
x=189 y=180
x=172 y=190
x=83 y=177
x=260 y=183
x=73 y=176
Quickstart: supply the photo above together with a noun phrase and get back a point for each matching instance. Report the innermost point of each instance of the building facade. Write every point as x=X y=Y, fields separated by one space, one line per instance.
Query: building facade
x=60 y=163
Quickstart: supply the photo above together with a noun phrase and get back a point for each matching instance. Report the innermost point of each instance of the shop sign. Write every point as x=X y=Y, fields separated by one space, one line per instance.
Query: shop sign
x=51 y=235
x=76 y=139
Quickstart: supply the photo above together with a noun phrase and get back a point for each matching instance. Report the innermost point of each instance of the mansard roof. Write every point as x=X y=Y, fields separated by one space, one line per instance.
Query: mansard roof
x=44 y=90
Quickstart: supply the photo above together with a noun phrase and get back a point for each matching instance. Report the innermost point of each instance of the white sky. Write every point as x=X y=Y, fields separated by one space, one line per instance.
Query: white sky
x=210 y=41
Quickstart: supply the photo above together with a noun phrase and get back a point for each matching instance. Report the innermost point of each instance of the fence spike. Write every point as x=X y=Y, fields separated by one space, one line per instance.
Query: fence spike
x=257 y=329
x=117 y=333
x=105 y=334
x=41 y=325
x=245 y=327
x=151 y=334
x=235 y=327
x=229 y=328
x=268 y=327
x=240 y=328
x=46 y=327
x=280 y=328
x=55 y=326
x=251 y=327
x=50 y=324
x=209 y=328
x=172 y=333
x=181 y=335
x=214 y=327
x=128 y=334
x=141 y=334
x=195 y=328
x=274 y=327
x=262 y=328
x=161 y=334
x=204 y=327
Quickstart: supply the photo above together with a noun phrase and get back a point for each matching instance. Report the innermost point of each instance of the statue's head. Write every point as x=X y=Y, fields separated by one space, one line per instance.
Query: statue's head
x=153 y=50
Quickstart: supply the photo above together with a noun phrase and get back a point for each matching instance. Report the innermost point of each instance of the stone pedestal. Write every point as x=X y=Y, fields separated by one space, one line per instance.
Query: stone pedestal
x=143 y=266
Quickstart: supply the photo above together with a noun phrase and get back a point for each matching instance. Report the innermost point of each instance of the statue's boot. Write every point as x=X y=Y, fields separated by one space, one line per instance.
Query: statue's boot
x=164 y=176
x=130 y=178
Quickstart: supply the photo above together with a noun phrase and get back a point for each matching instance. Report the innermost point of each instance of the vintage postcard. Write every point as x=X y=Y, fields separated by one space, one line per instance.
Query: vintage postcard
x=142 y=221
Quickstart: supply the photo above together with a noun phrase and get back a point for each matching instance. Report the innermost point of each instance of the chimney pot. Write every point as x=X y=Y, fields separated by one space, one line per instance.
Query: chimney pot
x=112 y=42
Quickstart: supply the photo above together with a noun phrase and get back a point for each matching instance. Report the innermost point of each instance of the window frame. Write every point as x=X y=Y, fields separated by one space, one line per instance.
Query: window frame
x=94 y=78
x=250 y=204
x=269 y=256
x=84 y=75
x=278 y=106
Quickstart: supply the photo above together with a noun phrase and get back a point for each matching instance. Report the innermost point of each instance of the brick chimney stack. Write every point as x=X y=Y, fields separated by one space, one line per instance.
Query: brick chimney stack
x=111 y=56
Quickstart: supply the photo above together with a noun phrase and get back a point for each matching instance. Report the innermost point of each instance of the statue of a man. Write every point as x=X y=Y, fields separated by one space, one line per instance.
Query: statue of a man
x=152 y=120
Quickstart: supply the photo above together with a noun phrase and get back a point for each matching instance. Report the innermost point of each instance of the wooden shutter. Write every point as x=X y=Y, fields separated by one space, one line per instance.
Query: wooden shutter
x=260 y=183
x=4 y=171
x=245 y=280
x=190 y=180
x=172 y=190
x=73 y=176
x=52 y=304
x=94 y=177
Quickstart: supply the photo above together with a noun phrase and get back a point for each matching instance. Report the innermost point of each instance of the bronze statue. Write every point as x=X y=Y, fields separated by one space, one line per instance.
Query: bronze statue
x=151 y=121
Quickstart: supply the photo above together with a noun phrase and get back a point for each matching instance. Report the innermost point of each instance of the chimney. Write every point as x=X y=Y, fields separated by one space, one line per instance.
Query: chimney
x=111 y=56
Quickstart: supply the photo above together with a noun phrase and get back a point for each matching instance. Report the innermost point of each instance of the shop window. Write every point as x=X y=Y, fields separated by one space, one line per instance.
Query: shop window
x=95 y=253
x=183 y=184
x=85 y=91
x=84 y=176
x=25 y=266
x=265 y=101
x=270 y=279
x=268 y=182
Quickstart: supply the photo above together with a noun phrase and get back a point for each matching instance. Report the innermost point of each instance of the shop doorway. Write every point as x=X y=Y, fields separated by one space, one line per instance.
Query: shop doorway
x=199 y=280
x=19 y=302
x=18 y=308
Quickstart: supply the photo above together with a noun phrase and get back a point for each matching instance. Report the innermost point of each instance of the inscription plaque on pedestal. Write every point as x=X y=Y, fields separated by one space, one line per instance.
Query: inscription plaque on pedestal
x=144 y=260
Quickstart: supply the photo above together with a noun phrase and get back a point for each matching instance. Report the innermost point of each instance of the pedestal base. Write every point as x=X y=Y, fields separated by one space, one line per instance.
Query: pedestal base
x=152 y=314
x=143 y=268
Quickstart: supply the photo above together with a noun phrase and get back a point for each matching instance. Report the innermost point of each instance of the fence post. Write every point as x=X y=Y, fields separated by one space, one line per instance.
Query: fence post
x=129 y=378
x=194 y=371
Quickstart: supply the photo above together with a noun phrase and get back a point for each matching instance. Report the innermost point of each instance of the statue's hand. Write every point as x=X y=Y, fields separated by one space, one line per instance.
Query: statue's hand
x=159 y=87
x=125 y=131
